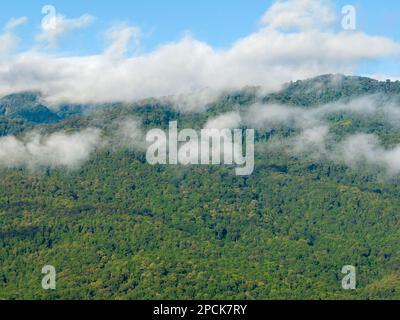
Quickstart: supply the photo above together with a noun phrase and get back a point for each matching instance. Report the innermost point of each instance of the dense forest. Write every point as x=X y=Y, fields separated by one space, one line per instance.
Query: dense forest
x=115 y=227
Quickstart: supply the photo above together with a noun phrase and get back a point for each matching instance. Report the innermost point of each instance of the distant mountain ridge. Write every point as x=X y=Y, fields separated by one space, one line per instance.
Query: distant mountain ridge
x=330 y=88
x=27 y=106
x=27 y=109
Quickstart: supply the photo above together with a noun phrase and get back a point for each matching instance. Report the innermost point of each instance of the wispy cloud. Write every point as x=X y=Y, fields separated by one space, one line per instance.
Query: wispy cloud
x=119 y=37
x=303 y=15
x=59 y=25
x=15 y=22
x=315 y=139
x=8 y=40
x=56 y=150
x=366 y=149
x=229 y=120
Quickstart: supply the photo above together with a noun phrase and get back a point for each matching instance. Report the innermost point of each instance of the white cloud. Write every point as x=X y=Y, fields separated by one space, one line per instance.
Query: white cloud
x=271 y=116
x=56 y=150
x=299 y=14
x=120 y=37
x=311 y=141
x=8 y=40
x=358 y=148
x=54 y=29
x=129 y=134
x=268 y=57
x=230 y=120
x=366 y=149
x=315 y=139
x=15 y=22
x=195 y=101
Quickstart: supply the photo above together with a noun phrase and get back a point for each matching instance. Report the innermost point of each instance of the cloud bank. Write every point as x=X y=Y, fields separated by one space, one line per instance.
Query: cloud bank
x=295 y=41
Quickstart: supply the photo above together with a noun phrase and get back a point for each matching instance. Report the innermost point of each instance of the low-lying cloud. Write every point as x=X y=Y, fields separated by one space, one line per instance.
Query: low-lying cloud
x=231 y=120
x=269 y=116
x=69 y=150
x=55 y=150
x=366 y=149
x=313 y=136
x=296 y=40
x=129 y=134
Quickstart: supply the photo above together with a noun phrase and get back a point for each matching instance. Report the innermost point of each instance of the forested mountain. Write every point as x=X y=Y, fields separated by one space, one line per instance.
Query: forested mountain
x=116 y=227
x=22 y=111
x=329 y=88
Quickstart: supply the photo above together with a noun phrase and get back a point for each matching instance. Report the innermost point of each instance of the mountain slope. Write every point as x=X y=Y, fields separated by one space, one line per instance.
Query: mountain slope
x=26 y=106
x=118 y=228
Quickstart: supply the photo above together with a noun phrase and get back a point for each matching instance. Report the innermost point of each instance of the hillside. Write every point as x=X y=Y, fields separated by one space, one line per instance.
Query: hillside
x=117 y=228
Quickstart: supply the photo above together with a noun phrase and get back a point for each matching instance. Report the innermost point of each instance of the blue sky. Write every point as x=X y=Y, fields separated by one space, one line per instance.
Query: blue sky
x=212 y=57
x=218 y=23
